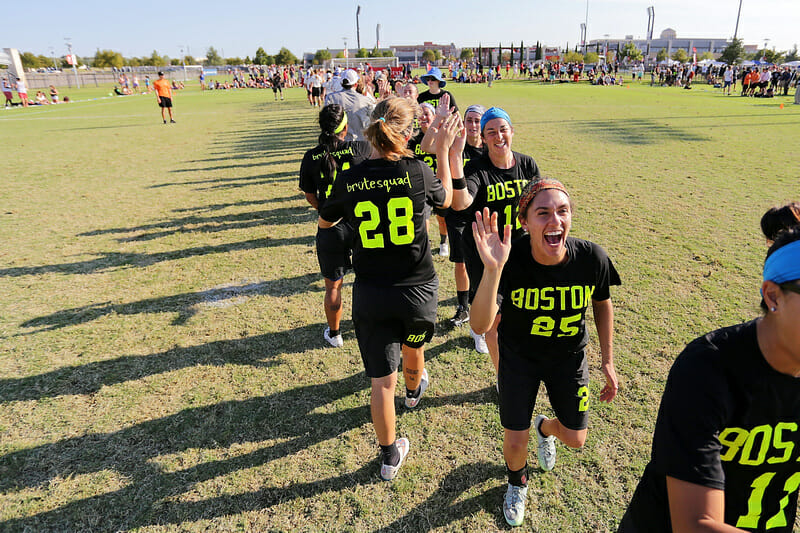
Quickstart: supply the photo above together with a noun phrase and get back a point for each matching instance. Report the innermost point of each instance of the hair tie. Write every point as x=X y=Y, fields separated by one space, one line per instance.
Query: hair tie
x=341 y=125
x=382 y=119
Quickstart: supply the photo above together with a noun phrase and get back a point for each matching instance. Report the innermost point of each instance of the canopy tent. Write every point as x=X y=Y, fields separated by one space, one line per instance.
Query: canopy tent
x=791 y=64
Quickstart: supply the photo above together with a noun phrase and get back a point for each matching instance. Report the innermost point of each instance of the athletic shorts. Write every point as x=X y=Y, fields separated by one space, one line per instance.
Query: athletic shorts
x=566 y=379
x=9 y=95
x=455 y=230
x=334 y=249
x=165 y=101
x=384 y=318
x=727 y=84
x=315 y=91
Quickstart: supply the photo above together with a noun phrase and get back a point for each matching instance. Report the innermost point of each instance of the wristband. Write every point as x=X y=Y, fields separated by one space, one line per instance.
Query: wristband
x=459 y=184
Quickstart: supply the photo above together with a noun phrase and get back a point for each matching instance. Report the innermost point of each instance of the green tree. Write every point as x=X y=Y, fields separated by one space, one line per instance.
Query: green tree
x=630 y=51
x=437 y=54
x=538 y=54
x=213 y=57
x=706 y=55
x=773 y=56
x=234 y=61
x=467 y=54
x=362 y=52
x=108 y=58
x=175 y=61
x=661 y=55
x=733 y=53
x=261 y=57
x=591 y=57
x=285 y=57
x=376 y=52
x=388 y=53
x=29 y=60
x=573 y=57
x=340 y=55
x=189 y=60
x=156 y=60
x=247 y=60
x=429 y=55
x=322 y=56
x=791 y=55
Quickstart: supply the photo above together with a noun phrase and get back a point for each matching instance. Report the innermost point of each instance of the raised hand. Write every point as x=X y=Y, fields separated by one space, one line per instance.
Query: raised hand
x=492 y=248
x=443 y=109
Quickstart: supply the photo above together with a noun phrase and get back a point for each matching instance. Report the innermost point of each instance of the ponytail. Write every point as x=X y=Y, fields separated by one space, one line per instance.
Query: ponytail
x=330 y=118
x=391 y=126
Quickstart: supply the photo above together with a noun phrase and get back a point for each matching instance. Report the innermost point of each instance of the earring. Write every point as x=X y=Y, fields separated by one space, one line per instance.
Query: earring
x=773 y=309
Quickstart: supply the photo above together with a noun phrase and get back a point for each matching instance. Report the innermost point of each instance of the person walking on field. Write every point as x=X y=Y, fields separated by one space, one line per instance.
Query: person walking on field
x=395 y=291
x=164 y=97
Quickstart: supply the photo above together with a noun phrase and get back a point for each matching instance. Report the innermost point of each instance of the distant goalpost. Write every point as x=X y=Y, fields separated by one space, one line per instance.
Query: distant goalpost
x=377 y=63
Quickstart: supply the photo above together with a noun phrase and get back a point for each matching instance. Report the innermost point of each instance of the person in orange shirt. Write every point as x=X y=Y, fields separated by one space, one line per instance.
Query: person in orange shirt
x=164 y=97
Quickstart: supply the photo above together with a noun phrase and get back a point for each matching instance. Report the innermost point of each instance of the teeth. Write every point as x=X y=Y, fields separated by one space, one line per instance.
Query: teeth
x=552 y=233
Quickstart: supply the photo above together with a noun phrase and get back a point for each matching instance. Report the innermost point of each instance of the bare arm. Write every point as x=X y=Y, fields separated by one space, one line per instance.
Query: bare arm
x=494 y=251
x=604 y=321
x=311 y=198
x=695 y=508
x=462 y=199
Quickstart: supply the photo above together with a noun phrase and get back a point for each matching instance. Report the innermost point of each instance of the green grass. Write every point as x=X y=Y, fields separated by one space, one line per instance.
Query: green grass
x=162 y=359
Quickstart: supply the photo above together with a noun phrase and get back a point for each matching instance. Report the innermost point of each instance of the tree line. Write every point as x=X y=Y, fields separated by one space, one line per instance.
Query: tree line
x=111 y=58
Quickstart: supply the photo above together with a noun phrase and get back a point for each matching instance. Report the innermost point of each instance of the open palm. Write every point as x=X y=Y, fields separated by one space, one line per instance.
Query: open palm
x=492 y=248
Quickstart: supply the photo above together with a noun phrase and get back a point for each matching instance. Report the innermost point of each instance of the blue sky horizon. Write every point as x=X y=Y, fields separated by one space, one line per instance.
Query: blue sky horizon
x=237 y=28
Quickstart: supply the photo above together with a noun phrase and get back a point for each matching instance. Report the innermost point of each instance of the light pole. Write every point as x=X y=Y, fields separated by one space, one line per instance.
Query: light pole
x=53 y=54
x=358 y=28
x=74 y=68
x=346 y=55
x=764 y=56
x=736 y=30
x=183 y=62
x=585 y=28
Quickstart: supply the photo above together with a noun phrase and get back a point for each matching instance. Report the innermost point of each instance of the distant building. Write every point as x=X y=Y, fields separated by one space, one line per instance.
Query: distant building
x=669 y=41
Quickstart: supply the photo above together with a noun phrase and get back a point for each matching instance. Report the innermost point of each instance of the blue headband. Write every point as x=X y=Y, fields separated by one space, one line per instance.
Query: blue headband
x=494 y=112
x=784 y=264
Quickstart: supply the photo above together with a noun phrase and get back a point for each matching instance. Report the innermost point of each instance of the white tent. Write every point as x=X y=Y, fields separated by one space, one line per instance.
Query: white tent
x=791 y=64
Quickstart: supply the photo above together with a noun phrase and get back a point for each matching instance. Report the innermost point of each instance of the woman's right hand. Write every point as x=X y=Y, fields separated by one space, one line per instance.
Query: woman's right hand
x=492 y=248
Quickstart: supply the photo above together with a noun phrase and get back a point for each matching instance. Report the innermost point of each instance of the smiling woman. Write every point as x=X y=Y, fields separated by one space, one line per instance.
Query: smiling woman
x=545 y=284
x=493 y=181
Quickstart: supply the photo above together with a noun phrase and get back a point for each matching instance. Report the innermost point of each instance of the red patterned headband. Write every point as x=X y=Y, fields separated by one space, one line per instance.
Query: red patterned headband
x=535 y=187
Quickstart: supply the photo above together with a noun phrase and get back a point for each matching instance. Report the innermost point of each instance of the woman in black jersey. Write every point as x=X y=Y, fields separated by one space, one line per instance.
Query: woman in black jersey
x=727 y=438
x=545 y=282
x=395 y=292
x=493 y=181
x=457 y=221
x=318 y=172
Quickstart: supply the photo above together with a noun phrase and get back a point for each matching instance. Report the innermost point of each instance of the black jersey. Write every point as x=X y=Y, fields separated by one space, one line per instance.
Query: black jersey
x=498 y=189
x=414 y=144
x=728 y=421
x=311 y=179
x=433 y=99
x=544 y=306
x=385 y=200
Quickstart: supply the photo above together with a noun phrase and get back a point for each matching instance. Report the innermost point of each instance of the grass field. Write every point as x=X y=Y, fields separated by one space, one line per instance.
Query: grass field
x=161 y=355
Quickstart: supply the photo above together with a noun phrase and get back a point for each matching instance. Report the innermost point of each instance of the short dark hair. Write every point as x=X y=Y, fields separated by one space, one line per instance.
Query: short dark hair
x=160 y=73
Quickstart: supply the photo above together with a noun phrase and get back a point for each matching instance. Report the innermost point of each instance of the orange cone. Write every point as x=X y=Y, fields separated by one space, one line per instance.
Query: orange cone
x=781 y=106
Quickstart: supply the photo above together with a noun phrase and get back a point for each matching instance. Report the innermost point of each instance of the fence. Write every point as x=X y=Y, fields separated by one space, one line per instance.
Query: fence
x=97 y=77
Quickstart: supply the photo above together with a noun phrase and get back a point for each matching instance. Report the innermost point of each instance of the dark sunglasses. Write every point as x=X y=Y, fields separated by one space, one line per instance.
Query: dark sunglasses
x=790 y=287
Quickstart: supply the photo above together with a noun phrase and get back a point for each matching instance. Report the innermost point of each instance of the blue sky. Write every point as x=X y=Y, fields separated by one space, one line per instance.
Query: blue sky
x=238 y=28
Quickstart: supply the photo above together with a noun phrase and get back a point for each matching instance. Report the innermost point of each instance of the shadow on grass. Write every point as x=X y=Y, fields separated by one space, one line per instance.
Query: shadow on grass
x=197 y=224
x=151 y=496
x=185 y=305
x=243 y=203
x=109 y=260
x=638 y=131
x=236 y=182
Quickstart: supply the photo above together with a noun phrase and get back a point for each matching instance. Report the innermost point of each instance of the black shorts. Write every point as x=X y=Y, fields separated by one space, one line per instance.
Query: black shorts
x=165 y=101
x=455 y=230
x=276 y=88
x=315 y=91
x=473 y=263
x=334 y=250
x=566 y=378
x=384 y=318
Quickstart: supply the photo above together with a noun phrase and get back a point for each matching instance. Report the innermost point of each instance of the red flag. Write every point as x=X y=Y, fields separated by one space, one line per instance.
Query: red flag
x=694 y=56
